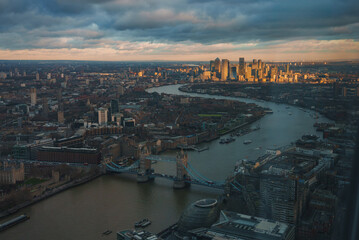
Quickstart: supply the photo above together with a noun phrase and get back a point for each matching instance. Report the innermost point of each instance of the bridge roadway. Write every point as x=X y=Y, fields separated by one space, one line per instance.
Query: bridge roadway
x=165 y=176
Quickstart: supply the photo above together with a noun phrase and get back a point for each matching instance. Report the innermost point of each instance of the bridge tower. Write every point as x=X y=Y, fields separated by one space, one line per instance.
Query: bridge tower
x=145 y=171
x=181 y=175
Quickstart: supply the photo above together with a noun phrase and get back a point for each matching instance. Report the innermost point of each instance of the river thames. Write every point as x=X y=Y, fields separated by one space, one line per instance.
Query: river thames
x=116 y=202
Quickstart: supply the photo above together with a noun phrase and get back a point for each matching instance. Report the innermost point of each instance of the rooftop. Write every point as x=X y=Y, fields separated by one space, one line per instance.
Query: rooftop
x=233 y=225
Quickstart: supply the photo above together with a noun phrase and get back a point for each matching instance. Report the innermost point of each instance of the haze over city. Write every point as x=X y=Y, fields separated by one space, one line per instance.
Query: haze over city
x=180 y=30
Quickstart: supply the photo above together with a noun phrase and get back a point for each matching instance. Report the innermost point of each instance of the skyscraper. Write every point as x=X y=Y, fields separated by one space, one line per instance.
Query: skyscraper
x=37 y=76
x=287 y=69
x=225 y=69
x=242 y=67
x=233 y=72
x=211 y=66
x=33 y=96
x=281 y=198
x=217 y=65
x=255 y=64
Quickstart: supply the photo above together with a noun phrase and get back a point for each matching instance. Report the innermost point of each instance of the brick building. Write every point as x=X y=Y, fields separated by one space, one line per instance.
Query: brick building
x=69 y=155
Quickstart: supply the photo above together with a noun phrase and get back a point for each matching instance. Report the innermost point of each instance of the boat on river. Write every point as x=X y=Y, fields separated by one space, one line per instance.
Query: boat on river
x=143 y=223
x=107 y=232
x=247 y=141
x=227 y=140
x=13 y=222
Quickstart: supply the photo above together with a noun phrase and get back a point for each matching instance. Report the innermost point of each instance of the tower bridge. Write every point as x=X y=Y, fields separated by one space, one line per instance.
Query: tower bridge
x=185 y=173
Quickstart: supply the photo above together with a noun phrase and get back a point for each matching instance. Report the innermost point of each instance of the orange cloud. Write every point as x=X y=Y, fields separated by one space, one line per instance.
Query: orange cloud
x=306 y=50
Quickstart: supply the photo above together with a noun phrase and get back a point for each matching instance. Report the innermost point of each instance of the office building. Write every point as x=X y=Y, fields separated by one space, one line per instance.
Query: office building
x=233 y=72
x=217 y=65
x=241 y=67
x=225 y=69
x=211 y=66
x=254 y=64
x=279 y=198
x=29 y=151
x=260 y=64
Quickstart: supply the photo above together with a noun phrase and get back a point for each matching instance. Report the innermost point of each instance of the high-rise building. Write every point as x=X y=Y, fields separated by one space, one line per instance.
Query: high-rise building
x=260 y=66
x=241 y=67
x=248 y=72
x=114 y=106
x=273 y=72
x=287 y=69
x=279 y=198
x=211 y=66
x=233 y=72
x=255 y=64
x=224 y=69
x=217 y=65
x=102 y=116
x=33 y=96
x=49 y=76
x=37 y=76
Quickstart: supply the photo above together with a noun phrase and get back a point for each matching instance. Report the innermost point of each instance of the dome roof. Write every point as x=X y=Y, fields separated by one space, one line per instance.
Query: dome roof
x=202 y=213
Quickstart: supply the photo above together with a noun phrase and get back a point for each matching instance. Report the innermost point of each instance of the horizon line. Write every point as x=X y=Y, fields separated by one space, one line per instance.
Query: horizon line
x=156 y=60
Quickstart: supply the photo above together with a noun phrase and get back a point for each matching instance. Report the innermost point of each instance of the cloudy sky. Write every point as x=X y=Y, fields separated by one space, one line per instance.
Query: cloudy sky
x=179 y=29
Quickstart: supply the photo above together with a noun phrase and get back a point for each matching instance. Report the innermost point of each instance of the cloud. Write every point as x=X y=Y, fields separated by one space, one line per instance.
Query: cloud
x=87 y=24
x=299 y=50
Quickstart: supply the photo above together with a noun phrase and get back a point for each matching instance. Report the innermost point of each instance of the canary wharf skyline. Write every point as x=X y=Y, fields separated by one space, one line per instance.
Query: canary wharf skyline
x=179 y=30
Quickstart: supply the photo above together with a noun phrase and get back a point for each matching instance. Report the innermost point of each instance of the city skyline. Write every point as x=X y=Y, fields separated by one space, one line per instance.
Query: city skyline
x=195 y=30
x=180 y=119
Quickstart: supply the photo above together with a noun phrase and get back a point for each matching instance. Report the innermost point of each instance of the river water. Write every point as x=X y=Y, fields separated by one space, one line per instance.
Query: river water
x=115 y=202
